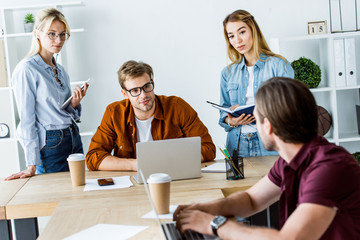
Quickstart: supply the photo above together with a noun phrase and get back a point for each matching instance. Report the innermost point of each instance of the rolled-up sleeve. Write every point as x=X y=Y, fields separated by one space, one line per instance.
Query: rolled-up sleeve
x=75 y=113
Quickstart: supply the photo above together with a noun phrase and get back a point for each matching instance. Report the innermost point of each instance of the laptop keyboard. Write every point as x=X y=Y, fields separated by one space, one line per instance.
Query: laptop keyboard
x=173 y=233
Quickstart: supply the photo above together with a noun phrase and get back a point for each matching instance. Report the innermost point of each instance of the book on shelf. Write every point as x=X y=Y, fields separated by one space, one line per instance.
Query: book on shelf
x=244 y=109
x=3 y=73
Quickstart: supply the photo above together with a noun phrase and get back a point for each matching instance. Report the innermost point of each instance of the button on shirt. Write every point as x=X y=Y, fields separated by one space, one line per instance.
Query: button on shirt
x=39 y=98
x=325 y=174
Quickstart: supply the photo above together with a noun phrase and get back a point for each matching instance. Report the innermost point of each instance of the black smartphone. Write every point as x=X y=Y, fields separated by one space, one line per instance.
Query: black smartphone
x=105 y=181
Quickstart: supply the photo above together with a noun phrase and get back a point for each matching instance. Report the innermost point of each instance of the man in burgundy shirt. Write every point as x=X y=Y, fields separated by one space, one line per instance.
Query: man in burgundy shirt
x=316 y=183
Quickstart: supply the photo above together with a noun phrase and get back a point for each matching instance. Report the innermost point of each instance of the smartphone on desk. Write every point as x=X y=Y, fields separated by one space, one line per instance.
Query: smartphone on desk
x=105 y=181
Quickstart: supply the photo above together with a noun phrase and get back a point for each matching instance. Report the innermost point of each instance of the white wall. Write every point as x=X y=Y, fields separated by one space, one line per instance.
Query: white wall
x=181 y=40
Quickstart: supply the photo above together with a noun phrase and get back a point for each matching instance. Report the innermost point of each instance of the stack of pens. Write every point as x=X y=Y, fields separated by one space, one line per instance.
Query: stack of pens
x=234 y=165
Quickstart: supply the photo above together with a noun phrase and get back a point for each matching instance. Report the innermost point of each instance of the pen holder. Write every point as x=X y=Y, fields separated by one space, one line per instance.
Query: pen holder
x=234 y=168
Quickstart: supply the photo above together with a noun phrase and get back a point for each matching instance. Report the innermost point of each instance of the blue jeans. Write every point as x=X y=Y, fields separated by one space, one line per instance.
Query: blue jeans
x=250 y=145
x=59 y=145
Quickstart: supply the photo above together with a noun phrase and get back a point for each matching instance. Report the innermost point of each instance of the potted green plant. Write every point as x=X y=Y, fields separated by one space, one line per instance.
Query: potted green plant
x=29 y=22
x=307 y=71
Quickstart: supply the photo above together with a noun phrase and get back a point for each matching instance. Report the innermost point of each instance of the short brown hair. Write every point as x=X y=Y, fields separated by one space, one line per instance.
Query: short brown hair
x=133 y=69
x=290 y=107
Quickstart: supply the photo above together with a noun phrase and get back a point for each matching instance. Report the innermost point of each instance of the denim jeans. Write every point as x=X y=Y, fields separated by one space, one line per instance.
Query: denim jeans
x=250 y=145
x=59 y=145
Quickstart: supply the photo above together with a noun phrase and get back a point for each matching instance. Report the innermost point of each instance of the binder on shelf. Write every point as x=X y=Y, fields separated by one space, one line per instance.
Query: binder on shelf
x=335 y=16
x=348 y=15
x=350 y=62
x=3 y=73
x=358 y=14
x=343 y=15
x=339 y=58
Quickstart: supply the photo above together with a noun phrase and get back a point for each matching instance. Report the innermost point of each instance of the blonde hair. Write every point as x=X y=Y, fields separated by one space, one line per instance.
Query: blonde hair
x=259 y=42
x=44 y=19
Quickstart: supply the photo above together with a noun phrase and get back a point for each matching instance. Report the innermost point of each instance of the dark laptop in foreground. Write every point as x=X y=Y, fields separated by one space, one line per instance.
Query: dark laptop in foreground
x=180 y=158
x=169 y=228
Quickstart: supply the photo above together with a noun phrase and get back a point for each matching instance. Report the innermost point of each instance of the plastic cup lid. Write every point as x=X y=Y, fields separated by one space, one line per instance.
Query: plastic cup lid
x=76 y=157
x=159 y=178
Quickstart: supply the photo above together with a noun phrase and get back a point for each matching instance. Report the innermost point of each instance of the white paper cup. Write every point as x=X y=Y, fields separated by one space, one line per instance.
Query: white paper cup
x=159 y=185
x=76 y=163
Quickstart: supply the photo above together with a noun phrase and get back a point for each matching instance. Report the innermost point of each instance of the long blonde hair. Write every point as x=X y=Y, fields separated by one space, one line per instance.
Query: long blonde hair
x=43 y=21
x=259 y=42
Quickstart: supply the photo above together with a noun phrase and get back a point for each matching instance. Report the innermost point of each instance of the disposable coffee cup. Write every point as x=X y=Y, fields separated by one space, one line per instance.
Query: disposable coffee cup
x=159 y=186
x=76 y=163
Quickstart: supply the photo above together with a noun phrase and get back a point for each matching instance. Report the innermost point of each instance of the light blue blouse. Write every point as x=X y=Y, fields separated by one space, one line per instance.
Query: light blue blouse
x=234 y=83
x=39 y=98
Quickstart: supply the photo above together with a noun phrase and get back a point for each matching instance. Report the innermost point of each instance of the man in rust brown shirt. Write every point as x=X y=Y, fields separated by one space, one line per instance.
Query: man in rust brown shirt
x=142 y=116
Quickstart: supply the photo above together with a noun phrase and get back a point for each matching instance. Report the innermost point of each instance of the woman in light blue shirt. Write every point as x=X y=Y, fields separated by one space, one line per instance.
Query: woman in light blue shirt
x=252 y=64
x=47 y=133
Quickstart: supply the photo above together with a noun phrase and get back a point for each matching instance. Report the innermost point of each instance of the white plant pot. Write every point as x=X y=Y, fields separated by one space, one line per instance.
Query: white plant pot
x=28 y=27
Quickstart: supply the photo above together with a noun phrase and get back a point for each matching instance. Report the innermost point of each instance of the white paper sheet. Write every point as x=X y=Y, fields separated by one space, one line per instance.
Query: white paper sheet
x=108 y=232
x=169 y=215
x=119 y=182
x=218 y=167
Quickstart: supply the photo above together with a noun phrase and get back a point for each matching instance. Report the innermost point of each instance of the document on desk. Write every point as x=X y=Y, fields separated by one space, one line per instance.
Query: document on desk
x=169 y=215
x=119 y=182
x=218 y=167
x=107 y=231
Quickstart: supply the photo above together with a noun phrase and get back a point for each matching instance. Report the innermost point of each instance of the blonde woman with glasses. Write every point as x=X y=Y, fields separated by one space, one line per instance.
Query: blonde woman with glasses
x=47 y=132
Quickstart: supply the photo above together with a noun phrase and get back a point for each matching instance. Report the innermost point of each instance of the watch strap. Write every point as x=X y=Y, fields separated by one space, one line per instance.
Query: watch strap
x=217 y=222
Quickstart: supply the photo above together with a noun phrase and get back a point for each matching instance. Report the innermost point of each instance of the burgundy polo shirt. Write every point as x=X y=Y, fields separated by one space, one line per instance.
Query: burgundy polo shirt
x=325 y=174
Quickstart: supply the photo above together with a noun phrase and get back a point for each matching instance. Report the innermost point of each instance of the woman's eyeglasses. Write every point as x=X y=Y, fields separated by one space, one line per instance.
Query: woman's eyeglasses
x=63 y=36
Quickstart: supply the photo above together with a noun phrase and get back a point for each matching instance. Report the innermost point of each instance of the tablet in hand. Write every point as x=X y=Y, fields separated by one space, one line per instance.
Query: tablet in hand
x=67 y=102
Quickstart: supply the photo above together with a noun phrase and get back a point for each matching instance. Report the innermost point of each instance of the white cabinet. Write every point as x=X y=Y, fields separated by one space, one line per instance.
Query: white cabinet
x=16 y=44
x=339 y=101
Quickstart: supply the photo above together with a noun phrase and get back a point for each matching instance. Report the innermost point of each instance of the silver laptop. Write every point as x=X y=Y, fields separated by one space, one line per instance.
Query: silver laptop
x=180 y=158
x=169 y=228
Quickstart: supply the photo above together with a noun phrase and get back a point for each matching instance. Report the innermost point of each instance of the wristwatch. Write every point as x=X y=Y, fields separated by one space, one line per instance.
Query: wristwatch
x=217 y=222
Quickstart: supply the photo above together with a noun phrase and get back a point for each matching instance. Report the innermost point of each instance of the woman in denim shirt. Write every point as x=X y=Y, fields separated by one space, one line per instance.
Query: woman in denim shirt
x=252 y=64
x=47 y=132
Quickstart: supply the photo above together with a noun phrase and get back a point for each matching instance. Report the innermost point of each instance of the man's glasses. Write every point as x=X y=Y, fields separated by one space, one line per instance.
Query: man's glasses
x=137 y=91
x=63 y=36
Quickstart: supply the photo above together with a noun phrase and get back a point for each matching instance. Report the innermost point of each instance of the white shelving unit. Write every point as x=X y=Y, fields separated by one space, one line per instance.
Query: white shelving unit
x=16 y=46
x=339 y=101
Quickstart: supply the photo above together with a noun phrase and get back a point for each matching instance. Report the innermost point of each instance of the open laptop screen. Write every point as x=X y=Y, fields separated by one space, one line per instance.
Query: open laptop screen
x=180 y=158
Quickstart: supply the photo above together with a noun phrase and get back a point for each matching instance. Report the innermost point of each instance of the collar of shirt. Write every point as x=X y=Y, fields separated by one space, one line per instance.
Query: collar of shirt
x=38 y=59
x=301 y=156
x=259 y=63
x=158 y=114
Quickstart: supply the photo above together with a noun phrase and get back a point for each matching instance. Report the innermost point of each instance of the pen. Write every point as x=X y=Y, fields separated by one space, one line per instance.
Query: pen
x=227 y=153
x=231 y=165
x=223 y=153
